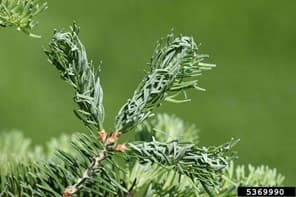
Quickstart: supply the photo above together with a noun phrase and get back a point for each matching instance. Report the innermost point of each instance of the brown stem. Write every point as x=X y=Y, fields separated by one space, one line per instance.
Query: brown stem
x=108 y=143
x=69 y=191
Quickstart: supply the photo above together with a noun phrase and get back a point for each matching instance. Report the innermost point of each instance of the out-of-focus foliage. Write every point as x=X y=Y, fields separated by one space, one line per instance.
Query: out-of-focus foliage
x=21 y=14
x=166 y=182
x=16 y=148
x=248 y=175
x=166 y=128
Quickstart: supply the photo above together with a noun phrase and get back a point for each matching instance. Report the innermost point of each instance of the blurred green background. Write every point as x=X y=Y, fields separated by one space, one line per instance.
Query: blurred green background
x=250 y=95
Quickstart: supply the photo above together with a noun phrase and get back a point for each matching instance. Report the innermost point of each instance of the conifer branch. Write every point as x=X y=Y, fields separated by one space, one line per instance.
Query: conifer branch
x=21 y=14
x=173 y=63
x=204 y=165
x=68 y=55
x=172 y=67
x=91 y=167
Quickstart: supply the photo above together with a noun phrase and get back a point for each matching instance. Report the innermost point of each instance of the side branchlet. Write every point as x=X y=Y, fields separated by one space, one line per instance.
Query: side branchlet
x=68 y=55
x=173 y=66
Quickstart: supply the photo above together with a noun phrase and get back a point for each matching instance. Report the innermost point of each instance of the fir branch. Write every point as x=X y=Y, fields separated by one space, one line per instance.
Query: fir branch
x=21 y=14
x=168 y=167
x=203 y=165
x=172 y=67
x=68 y=55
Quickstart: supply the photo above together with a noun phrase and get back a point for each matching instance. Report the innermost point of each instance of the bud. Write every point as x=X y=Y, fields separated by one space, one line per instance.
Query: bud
x=120 y=148
x=69 y=191
x=113 y=138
